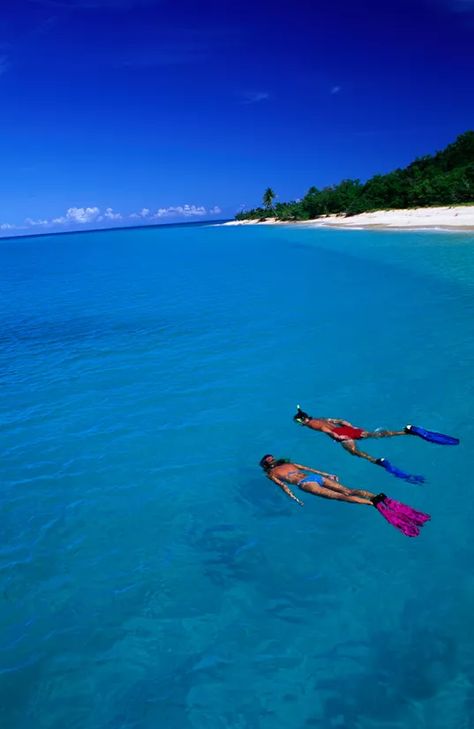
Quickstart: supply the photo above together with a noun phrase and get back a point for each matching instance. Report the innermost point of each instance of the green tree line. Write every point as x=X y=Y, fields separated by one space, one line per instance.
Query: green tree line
x=445 y=178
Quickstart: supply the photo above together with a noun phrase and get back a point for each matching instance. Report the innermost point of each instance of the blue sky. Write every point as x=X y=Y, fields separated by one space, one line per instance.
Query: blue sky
x=119 y=112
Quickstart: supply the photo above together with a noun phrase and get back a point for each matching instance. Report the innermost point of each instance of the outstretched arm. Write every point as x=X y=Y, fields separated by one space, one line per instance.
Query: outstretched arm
x=315 y=470
x=286 y=489
x=337 y=421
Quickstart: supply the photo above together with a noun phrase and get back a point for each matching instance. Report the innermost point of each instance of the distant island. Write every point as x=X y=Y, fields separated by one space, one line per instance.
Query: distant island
x=443 y=179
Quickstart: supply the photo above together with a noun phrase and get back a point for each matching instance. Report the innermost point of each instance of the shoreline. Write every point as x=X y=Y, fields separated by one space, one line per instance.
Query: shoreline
x=456 y=218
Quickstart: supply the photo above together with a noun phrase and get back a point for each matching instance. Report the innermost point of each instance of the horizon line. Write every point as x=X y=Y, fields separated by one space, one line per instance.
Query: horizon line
x=115 y=227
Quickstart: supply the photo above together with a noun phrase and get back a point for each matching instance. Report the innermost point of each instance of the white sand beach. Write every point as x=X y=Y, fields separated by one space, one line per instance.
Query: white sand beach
x=444 y=218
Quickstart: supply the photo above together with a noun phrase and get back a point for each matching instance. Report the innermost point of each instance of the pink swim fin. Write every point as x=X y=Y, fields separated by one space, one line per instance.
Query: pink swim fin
x=402 y=517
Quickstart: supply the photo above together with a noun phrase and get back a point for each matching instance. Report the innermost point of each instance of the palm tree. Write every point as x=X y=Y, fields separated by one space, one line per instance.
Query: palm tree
x=268 y=198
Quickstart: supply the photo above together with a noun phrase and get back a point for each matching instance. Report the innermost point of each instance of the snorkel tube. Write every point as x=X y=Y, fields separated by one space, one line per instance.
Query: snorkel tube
x=301 y=416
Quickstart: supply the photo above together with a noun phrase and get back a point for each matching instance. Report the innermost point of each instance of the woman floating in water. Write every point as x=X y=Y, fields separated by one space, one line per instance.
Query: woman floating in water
x=284 y=472
x=347 y=434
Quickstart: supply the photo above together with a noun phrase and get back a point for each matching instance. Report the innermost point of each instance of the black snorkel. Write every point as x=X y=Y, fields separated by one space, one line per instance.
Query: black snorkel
x=301 y=416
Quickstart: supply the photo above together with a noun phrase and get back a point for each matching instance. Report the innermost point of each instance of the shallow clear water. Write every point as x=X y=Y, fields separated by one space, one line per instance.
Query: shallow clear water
x=150 y=575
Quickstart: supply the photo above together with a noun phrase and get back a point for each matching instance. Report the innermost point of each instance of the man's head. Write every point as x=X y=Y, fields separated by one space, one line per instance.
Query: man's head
x=301 y=417
x=267 y=461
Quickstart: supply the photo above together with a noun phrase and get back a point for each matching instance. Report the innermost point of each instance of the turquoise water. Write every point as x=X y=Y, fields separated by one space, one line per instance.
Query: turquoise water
x=150 y=575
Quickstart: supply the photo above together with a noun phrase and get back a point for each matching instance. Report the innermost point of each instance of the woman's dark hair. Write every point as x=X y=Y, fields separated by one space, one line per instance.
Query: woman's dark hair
x=301 y=415
x=277 y=462
x=263 y=461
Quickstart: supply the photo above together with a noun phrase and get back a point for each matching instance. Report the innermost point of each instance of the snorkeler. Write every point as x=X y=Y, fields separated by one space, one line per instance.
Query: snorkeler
x=347 y=434
x=284 y=472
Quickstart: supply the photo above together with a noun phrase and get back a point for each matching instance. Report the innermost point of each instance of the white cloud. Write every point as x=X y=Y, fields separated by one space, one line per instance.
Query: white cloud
x=71 y=217
x=176 y=211
x=75 y=216
x=34 y=223
x=82 y=215
x=144 y=213
x=335 y=89
x=254 y=97
x=184 y=211
x=110 y=215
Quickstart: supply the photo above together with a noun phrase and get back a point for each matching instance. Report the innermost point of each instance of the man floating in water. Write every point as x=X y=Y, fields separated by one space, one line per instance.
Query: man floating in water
x=284 y=472
x=347 y=434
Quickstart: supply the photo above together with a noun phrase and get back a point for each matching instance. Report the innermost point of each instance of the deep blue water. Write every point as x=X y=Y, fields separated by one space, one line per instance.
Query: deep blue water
x=150 y=575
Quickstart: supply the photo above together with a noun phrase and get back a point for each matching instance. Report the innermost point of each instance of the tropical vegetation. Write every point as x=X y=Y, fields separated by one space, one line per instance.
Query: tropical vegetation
x=445 y=178
x=268 y=198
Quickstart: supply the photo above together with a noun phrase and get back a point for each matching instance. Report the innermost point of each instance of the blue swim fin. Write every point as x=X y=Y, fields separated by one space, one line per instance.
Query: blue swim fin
x=431 y=436
x=398 y=472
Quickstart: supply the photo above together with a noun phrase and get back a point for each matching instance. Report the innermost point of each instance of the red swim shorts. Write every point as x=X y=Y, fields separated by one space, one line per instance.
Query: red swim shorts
x=347 y=432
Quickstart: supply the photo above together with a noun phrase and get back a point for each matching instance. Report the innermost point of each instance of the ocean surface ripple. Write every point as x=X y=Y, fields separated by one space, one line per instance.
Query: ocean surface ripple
x=149 y=575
